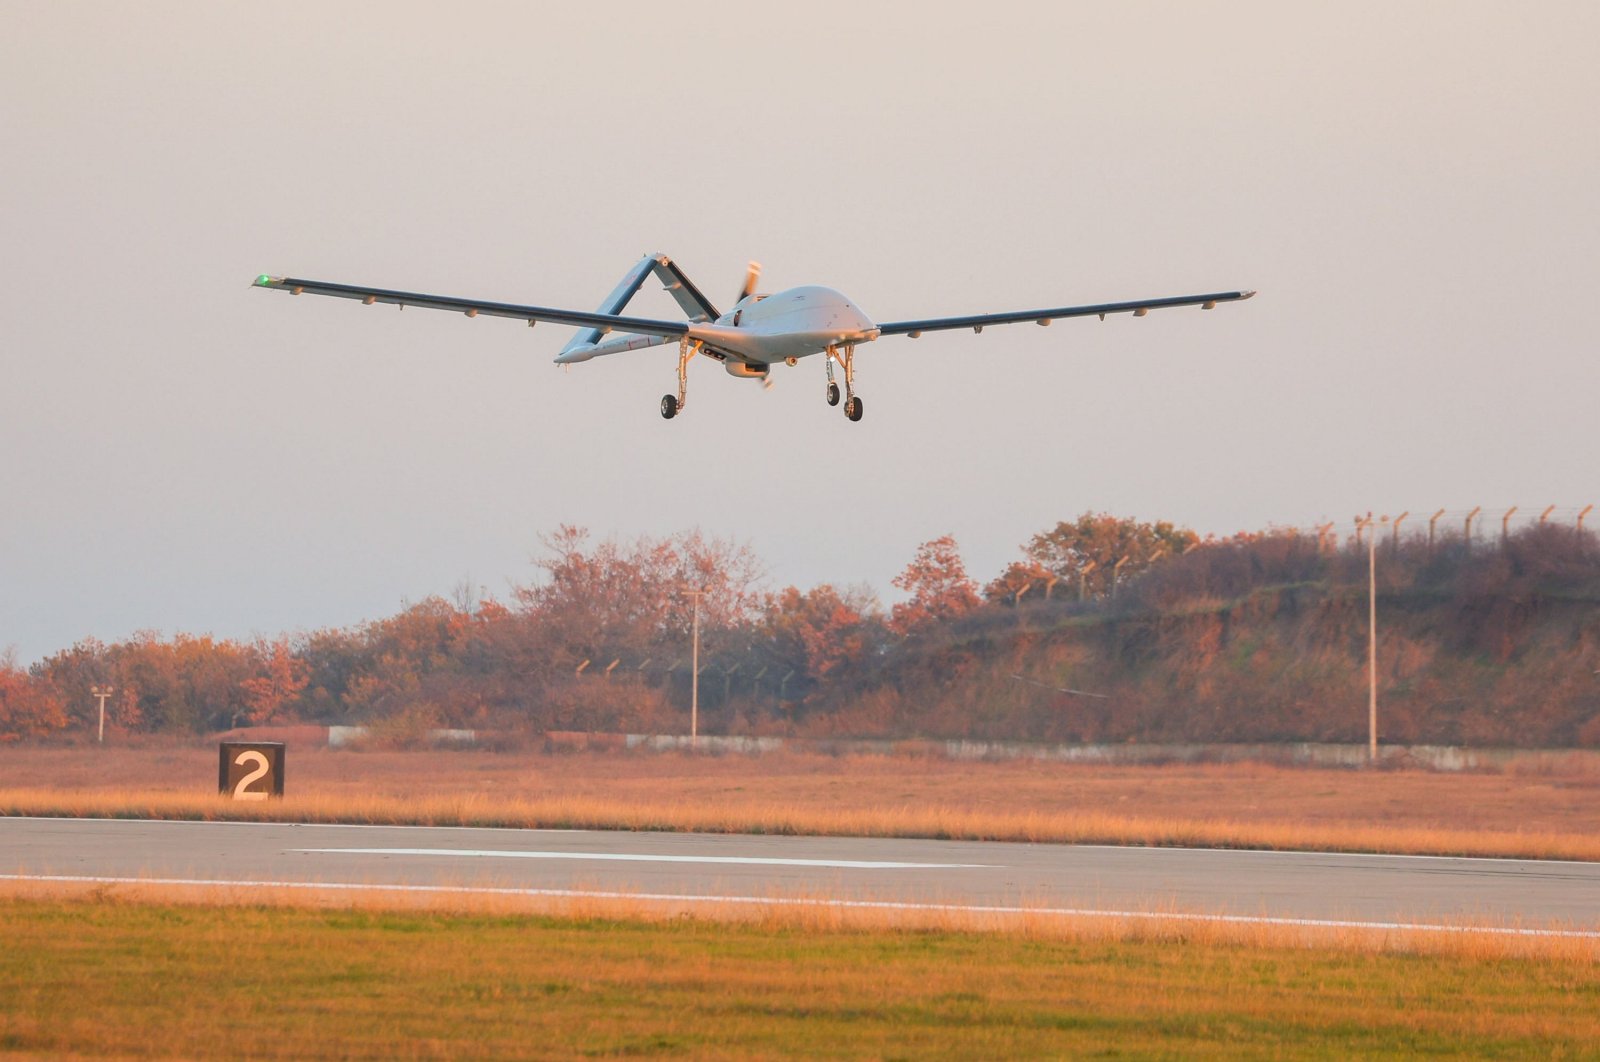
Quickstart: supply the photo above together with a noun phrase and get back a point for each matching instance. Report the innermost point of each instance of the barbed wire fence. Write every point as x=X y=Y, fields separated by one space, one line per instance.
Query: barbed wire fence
x=1479 y=527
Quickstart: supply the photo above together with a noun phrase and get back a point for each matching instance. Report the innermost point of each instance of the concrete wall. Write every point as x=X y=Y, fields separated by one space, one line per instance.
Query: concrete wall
x=1434 y=757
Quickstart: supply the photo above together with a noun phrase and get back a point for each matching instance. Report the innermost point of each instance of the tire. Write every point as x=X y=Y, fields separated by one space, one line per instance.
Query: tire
x=669 y=406
x=833 y=393
x=852 y=407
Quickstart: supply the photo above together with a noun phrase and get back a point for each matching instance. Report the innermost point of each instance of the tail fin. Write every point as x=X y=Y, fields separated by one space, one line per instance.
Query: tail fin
x=695 y=305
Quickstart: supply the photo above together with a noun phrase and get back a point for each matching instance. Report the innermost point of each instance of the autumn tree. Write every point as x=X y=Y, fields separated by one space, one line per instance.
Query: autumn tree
x=1022 y=579
x=71 y=673
x=269 y=696
x=822 y=632
x=190 y=683
x=28 y=706
x=607 y=596
x=1097 y=550
x=939 y=589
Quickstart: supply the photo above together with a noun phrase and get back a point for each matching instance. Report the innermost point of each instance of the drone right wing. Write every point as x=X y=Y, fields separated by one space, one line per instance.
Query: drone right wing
x=977 y=321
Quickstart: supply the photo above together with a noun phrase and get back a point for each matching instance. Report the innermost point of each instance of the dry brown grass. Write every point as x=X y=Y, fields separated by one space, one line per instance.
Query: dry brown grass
x=1543 y=815
x=758 y=817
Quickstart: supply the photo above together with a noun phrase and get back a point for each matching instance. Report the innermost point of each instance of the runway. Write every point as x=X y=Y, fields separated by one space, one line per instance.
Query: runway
x=1316 y=888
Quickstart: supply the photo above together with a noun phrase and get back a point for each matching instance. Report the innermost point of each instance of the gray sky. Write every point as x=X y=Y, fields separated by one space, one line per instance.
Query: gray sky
x=1413 y=188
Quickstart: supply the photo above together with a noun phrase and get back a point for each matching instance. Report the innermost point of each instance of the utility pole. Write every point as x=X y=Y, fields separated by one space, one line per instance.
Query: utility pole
x=694 y=672
x=100 y=693
x=1372 y=635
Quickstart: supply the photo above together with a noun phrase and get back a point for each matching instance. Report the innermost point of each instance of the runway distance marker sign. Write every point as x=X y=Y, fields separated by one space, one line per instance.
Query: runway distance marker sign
x=250 y=770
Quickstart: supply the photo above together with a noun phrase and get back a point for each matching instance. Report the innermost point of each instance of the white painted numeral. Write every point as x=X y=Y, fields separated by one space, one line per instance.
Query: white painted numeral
x=242 y=790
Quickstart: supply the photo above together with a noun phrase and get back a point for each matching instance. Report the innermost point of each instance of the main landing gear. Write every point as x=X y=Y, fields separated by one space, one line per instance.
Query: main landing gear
x=847 y=359
x=672 y=405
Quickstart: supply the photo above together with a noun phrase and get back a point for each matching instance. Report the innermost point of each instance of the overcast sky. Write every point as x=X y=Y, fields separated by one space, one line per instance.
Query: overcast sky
x=1413 y=188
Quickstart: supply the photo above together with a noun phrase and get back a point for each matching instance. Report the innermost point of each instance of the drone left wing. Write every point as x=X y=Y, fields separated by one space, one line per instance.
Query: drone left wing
x=976 y=322
x=603 y=322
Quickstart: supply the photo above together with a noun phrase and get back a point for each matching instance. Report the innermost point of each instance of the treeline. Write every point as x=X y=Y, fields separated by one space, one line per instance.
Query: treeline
x=1104 y=629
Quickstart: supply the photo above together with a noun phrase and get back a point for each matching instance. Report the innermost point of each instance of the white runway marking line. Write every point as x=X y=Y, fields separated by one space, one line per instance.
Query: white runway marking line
x=880 y=905
x=630 y=857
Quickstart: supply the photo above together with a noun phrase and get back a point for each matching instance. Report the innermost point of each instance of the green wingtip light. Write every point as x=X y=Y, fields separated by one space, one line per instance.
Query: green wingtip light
x=263 y=280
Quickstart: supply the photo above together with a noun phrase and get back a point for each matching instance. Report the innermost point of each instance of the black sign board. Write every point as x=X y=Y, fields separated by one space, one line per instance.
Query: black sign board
x=250 y=770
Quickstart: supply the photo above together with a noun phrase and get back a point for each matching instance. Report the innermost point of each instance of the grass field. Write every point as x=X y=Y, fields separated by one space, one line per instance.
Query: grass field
x=142 y=980
x=1550 y=814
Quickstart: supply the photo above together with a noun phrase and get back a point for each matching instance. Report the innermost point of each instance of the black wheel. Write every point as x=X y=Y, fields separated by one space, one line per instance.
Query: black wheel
x=669 y=406
x=852 y=407
x=833 y=393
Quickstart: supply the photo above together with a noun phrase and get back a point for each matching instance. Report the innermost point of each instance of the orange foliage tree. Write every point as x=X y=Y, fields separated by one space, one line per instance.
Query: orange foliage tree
x=821 y=632
x=269 y=696
x=1097 y=550
x=597 y=598
x=28 y=707
x=939 y=587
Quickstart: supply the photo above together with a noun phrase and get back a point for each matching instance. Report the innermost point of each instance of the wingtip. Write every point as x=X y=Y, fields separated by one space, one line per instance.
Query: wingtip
x=1248 y=294
x=263 y=280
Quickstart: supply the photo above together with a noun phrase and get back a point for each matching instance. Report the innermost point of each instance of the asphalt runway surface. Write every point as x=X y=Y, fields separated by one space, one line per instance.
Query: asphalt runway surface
x=685 y=868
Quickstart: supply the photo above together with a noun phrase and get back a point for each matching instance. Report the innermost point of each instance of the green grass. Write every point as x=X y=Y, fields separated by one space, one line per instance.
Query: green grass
x=133 y=980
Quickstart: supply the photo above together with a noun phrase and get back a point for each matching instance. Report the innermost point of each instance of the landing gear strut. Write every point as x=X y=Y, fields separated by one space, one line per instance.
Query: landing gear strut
x=847 y=359
x=672 y=405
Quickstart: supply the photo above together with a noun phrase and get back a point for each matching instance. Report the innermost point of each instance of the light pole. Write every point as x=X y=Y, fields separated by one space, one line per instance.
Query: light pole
x=1372 y=635
x=100 y=693
x=694 y=672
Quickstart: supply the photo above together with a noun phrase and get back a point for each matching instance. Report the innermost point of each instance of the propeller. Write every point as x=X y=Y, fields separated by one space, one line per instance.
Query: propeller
x=752 y=274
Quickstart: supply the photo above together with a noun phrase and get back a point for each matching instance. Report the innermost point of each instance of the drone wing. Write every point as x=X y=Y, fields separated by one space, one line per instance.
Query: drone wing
x=976 y=322
x=601 y=322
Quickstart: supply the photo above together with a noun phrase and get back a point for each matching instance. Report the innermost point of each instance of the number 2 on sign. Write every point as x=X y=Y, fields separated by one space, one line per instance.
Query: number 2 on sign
x=242 y=790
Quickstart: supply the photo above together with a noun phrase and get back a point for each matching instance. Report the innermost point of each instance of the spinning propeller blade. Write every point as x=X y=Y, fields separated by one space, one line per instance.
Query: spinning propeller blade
x=752 y=274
